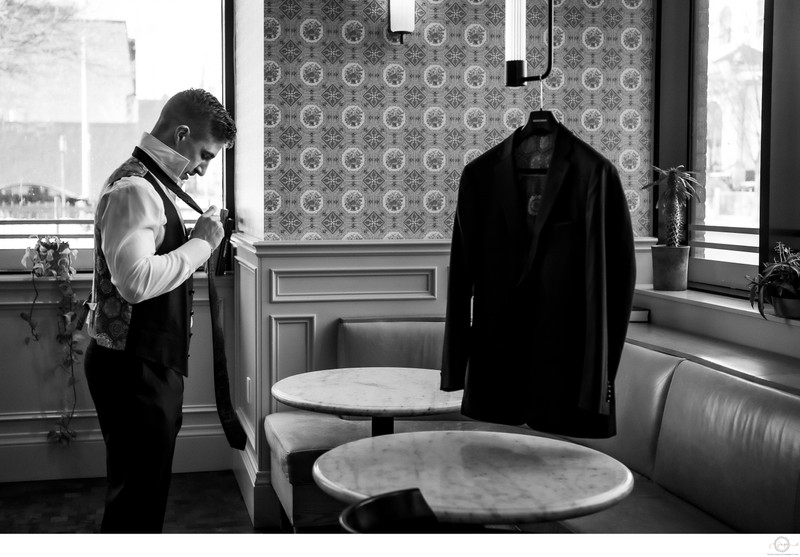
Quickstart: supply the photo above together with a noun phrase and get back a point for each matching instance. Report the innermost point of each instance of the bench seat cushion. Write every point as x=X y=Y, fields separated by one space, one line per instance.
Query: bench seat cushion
x=649 y=509
x=297 y=438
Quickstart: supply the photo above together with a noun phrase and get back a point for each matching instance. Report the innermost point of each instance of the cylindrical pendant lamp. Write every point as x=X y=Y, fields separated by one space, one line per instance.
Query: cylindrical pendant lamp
x=401 y=16
x=516 y=64
x=516 y=53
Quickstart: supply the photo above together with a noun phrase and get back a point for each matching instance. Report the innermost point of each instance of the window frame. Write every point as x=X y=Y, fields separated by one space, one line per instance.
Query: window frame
x=10 y=257
x=228 y=99
x=781 y=134
x=673 y=128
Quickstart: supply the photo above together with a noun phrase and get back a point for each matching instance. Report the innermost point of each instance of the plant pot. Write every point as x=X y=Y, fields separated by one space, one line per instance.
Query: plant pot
x=670 y=267
x=788 y=308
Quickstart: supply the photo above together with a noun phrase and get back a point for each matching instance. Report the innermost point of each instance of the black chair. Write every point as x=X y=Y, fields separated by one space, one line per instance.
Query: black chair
x=399 y=512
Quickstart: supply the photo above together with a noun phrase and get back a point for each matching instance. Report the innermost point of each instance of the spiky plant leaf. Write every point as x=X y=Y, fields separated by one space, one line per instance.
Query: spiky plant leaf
x=781 y=278
x=675 y=190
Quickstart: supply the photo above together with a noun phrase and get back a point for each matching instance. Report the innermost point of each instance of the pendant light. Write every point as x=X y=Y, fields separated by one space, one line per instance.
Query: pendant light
x=401 y=17
x=516 y=52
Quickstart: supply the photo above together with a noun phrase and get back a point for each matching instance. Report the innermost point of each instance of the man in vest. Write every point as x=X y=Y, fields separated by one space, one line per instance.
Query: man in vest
x=141 y=312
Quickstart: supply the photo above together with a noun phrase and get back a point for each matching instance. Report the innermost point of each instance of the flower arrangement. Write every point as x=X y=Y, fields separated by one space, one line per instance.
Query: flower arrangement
x=778 y=282
x=52 y=257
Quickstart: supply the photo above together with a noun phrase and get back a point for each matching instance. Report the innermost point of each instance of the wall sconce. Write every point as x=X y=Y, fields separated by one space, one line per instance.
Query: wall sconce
x=516 y=31
x=401 y=17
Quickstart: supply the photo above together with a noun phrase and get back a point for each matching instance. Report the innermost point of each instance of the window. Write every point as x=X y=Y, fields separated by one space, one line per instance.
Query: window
x=82 y=80
x=727 y=102
x=737 y=63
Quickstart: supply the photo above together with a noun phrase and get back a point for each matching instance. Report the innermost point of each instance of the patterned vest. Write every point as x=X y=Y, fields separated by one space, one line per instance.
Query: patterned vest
x=157 y=329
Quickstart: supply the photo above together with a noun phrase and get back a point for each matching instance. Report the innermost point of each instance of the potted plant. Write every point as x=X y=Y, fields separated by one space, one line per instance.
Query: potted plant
x=676 y=187
x=52 y=258
x=778 y=284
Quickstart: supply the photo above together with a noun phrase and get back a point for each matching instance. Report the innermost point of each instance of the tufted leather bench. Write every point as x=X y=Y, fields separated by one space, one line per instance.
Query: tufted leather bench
x=710 y=452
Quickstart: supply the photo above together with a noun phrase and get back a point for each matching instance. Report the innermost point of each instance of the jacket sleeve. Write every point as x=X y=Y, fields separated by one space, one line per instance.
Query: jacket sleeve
x=459 y=293
x=610 y=281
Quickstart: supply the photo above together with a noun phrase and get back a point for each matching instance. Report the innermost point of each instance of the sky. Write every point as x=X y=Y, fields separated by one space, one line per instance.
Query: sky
x=177 y=41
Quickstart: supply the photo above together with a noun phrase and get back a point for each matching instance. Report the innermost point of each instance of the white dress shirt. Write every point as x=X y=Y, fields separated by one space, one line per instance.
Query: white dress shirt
x=131 y=218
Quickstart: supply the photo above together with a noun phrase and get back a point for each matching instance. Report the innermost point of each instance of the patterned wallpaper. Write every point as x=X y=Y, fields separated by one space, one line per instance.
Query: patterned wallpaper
x=365 y=137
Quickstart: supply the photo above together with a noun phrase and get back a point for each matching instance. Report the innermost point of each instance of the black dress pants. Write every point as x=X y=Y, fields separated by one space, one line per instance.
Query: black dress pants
x=139 y=408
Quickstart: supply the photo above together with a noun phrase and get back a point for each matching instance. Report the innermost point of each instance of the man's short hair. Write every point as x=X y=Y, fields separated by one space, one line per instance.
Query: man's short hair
x=199 y=106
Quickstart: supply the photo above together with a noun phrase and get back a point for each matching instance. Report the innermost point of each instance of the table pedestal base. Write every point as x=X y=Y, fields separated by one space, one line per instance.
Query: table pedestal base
x=382 y=425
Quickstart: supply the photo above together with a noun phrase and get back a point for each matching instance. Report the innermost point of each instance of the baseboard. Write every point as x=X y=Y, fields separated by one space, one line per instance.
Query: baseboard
x=259 y=497
x=34 y=458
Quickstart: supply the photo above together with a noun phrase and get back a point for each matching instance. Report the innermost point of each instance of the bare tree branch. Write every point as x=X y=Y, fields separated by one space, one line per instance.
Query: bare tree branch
x=30 y=29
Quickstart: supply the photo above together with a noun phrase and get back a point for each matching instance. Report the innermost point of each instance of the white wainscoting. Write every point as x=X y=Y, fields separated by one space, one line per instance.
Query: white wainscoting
x=306 y=288
x=290 y=296
x=644 y=259
x=332 y=285
x=31 y=390
x=287 y=299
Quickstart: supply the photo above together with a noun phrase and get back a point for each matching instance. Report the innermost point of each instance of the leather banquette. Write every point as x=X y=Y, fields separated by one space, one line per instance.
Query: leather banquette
x=711 y=452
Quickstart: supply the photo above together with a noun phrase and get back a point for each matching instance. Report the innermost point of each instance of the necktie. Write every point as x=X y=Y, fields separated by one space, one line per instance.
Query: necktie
x=234 y=432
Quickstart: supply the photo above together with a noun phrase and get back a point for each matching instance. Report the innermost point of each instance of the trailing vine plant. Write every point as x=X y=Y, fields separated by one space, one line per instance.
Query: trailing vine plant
x=52 y=258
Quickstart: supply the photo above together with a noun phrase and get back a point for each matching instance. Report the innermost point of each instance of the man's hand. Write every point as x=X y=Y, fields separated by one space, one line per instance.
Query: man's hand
x=209 y=228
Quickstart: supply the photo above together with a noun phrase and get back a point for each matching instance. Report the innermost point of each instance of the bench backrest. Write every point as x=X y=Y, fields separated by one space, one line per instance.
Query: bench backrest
x=732 y=448
x=396 y=341
x=643 y=380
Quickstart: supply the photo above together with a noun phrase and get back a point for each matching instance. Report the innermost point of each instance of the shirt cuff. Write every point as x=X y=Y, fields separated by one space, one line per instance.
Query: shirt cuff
x=197 y=251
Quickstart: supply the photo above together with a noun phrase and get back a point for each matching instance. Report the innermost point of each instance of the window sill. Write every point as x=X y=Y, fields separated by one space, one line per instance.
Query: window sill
x=16 y=288
x=712 y=301
x=80 y=277
x=767 y=368
x=725 y=329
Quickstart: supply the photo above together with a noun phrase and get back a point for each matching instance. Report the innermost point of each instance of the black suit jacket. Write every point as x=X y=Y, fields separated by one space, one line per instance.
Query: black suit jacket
x=536 y=322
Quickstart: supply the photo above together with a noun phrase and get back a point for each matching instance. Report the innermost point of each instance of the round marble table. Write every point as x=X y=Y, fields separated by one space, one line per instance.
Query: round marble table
x=478 y=476
x=381 y=393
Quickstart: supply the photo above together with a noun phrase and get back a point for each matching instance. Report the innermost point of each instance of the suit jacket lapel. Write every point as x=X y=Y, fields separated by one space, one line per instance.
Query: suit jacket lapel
x=557 y=171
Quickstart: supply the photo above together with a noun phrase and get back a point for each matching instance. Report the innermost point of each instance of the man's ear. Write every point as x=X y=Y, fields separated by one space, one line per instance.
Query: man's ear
x=182 y=132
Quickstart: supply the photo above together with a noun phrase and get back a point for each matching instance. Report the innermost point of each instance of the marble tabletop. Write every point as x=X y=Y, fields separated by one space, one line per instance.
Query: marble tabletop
x=478 y=476
x=368 y=391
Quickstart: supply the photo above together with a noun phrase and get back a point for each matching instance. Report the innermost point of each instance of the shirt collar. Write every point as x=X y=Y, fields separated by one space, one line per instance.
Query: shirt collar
x=172 y=162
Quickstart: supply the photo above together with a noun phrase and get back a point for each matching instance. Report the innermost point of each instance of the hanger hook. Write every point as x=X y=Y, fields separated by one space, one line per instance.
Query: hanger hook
x=541 y=95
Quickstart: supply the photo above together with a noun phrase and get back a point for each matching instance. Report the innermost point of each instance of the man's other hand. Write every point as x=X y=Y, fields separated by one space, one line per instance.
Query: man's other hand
x=209 y=228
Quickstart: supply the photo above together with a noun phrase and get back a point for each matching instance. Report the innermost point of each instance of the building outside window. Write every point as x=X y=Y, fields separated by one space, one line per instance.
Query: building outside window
x=81 y=81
